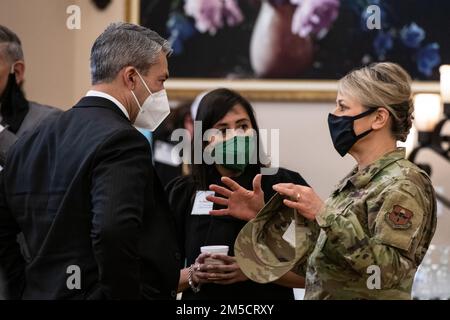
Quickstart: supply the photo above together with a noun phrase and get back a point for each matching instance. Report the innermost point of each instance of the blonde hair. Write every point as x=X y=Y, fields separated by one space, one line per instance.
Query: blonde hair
x=384 y=85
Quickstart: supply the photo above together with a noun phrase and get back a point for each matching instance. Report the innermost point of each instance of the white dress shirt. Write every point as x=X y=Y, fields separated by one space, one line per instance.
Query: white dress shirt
x=95 y=93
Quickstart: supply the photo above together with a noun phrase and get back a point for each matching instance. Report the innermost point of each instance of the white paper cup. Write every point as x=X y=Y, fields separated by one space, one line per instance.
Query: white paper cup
x=223 y=250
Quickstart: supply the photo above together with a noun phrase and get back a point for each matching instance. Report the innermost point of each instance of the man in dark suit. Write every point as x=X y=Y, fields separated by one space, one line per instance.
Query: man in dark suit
x=82 y=189
x=17 y=114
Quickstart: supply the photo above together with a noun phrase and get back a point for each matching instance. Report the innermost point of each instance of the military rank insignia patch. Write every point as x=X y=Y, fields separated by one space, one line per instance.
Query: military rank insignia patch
x=399 y=217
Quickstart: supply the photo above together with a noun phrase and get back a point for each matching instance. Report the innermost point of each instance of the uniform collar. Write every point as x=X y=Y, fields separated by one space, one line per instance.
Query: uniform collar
x=359 y=179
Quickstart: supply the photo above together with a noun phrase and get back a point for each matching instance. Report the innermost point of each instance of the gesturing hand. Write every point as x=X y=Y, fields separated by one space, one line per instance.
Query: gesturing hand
x=239 y=202
x=303 y=199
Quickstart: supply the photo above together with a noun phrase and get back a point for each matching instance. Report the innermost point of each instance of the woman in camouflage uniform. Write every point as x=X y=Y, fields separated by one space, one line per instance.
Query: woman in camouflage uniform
x=375 y=228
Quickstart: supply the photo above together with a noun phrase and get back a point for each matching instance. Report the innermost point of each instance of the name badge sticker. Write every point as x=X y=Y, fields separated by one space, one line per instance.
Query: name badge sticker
x=201 y=205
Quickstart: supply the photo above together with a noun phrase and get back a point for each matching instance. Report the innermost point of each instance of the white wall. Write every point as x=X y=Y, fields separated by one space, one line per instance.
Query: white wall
x=48 y=47
x=57 y=59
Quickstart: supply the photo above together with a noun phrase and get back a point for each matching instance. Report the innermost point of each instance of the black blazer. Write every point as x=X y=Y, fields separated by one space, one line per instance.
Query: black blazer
x=83 y=191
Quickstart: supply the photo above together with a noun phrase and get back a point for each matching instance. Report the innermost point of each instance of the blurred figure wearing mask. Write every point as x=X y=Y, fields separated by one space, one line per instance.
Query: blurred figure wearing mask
x=83 y=191
x=168 y=163
x=17 y=115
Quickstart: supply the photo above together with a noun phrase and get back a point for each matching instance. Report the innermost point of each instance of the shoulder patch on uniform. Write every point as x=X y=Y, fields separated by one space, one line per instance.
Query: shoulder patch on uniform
x=399 y=217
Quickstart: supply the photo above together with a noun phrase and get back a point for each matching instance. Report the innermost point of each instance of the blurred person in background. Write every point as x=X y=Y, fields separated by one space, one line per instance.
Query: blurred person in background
x=170 y=166
x=17 y=114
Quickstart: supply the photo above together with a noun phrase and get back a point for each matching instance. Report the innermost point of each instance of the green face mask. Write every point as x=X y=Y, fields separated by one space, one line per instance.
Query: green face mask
x=235 y=153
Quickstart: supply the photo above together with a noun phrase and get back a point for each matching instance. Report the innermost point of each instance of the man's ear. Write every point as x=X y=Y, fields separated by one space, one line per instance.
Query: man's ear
x=129 y=77
x=382 y=116
x=19 y=70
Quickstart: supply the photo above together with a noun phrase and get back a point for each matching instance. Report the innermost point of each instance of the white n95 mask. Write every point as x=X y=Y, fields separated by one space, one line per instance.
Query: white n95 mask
x=154 y=109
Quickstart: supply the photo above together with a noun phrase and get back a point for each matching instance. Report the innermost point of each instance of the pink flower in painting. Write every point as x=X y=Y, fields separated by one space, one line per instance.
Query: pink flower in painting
x=314 y=17
x=210 y=15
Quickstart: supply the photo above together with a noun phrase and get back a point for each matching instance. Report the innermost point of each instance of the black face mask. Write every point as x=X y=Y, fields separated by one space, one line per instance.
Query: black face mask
x=13 y=105
x=342 y=132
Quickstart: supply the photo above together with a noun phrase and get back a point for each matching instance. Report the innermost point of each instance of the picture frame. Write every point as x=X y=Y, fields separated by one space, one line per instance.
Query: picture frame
x=265 y=90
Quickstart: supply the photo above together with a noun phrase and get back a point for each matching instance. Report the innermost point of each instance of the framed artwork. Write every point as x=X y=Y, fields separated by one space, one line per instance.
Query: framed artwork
x=294 y=50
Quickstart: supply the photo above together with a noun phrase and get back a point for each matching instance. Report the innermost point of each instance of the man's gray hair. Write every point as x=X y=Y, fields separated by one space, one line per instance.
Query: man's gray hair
x=10 y=45
x=125 y=44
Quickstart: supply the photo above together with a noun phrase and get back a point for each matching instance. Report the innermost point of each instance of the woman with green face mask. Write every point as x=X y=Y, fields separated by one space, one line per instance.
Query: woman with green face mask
x=232 y=152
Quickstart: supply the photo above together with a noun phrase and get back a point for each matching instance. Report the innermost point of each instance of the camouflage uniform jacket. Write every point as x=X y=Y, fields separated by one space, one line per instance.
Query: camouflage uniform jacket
x=374 y=232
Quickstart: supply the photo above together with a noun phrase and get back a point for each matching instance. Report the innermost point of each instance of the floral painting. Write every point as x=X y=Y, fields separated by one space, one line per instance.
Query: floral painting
x=300 y=39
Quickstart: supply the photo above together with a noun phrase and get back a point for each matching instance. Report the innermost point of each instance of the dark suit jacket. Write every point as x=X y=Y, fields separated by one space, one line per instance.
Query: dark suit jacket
x=36 y=114
x=82 y=190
